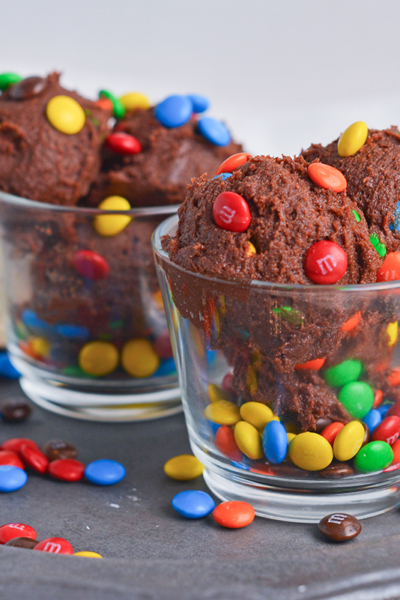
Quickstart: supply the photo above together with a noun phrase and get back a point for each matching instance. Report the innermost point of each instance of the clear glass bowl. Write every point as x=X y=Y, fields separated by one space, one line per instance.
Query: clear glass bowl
x=242 y=342
x=66 y=287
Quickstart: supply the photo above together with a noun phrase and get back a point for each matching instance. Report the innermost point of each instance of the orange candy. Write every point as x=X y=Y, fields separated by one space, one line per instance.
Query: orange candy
x=315 y=364
x=378 y=397
x=327 y=177
x=105 y=104
x=234 y=514
x=352 y=322
x=225 y=442
x=233 y=162
x=396 y=452
x=390 y=269
x=394 y=377
x=331 y=431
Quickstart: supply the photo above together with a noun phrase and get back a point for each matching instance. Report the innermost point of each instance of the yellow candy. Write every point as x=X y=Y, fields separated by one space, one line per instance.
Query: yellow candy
x=139 y=358
x=65 y=114
x=290 y=436
x=40 y=346
x=98 y=358
x=393 y=332
x=183 y=467
x=248 y=439
x=256 y=413
x=134 y=100
x=216 y=392
x=353 y=139
x=109 y=225
x=251 y=249
x=88 y=554
x=348 y=441
x=222 y=412
x=310 y=451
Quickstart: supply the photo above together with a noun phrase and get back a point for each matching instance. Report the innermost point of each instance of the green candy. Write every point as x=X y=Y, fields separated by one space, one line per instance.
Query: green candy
x=357 y=397
x=374 y=456
x=118 y=108
x=75 y=371
x=293 y=317
x=7 y=79
x=343 y=373
x=356 y=216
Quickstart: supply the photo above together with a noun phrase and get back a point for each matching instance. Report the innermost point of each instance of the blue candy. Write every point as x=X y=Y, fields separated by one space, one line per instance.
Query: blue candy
x=214 y=131
x=30 y=319
x=275 y=442
x=12 y=478
x=383 y=408
x=240 y=465
x=213 y=426
x=174 y=111
x=167 y=367
x=105 y=472
x=372 y=419
x=74 y=332
x=6 y=368
x=200 y=103
x=223 y=175
x=193 y=504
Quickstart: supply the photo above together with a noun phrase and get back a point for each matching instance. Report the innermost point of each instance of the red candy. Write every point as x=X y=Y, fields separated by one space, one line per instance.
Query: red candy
x=396 y=452
x=325 y=262
x=233 y=162
x=330 y=432
x=394 y=410
x=234 y=514
x=8 y=457
x=390 y=269
x=13 y=530
x=34 y=458
x=15 y=444
x=227 y=382
x=387 y=431
x=66 y=469
x=90 y=265
x=327 y=177
x=55 y=545
x=231 y=212
x=123 y=143
x=394 y=377
x=225 y=442
x=314 y=365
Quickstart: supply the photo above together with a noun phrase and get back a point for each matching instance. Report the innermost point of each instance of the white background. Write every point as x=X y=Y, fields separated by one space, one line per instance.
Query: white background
x=282 y=73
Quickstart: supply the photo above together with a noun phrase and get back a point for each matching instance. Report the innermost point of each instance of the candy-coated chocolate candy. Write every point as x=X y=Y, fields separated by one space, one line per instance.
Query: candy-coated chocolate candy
x=7 y=79
x=104 y=104
x=174 y=111
x=31 y=320
x=383 y=409
x=55 y=449
x=227 y=382
x=357 y=397
x=34 y=458
x=251 y=249
x=200 y=103
x=225 y=442
x=6 y=368
x=65 y=114
x=22 y=542
x=330 y=432
x=314 y=365
x=234 y=514
x=390 y=269
x=351 y=323
x=340 y=527
x=134 y=100
x=214 y=131
x=378 y=398
x=327 y=177
x=394 y=377
x=310 y=451
x=90 y=265
x=325 y=262
x=54 y=545
x=104 y=472
x=28 y=88
x=14 y=410
x=275 y=442
x=394 y=409
x=222 y=176
x=15 y=530
x=379 y=247
x=162 y=345
x=366 y=434
x=388 y=430
x=320 y=424
x=336 y=471
x=167 y=367
x=222 y=412
x=109 y=225
x=98 y=358
x=12 y=478
x=231 y=212
x=8 y=457
x=374 y=456
x=183 y=468
x=393 y=333
x=193 y=504
x=345 y=372
x=256 y=413
x=14 y=444
x=396 y=452
x=66 y=469
x=88 y=554
x=216 y=393
x=118 y=108
x=353 y=139
x=290 y=436
x=248 y=439
x=73 y=332
x=40 y=347
x=372 y=419
x=233 y=162
x=348 y=441
x=356 y=216
x=123 y=143
x=139 y=358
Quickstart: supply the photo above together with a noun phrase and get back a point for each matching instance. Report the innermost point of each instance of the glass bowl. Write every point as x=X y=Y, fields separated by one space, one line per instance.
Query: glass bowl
x=236 y=343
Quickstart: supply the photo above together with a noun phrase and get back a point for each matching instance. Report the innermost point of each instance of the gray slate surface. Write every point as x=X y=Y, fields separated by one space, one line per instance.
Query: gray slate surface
x=152 y=553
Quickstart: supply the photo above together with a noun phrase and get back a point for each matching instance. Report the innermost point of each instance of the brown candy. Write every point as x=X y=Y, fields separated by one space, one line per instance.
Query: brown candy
x=337 y=471
x=340 y=527
x=14 y=410
x=366 y=434
x=283 y=470
x=321 y=424
x=55 y=449
x=22 y=542
x=27 y=88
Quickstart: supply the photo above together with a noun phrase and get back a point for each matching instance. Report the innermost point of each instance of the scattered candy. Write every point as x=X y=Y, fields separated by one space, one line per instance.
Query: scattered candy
x=66 y=469
x=388 y=430
x=139 y=358
x=14 y=410
x=110 y=225
x=7 y=79
x=231 y=212
x=15 y=530
x=259 y=415
x=314 y=365
x=118 y=108
x=28 y=88
x=356 y=216
x=222 y=176
x=88 y=554
x=327 y=177
x=379 y=247
x=73 y=332
x=104 y=104
x=233 y=162
x=123 y=143
x=345 y=372
x=174 y=111
x=351 y=323
x=393 y=333
x=216 y=393
x=396 y=452
x=183 y=468
x=6 y=368
x=98 y=358
x=134 y=100
x=233 y=514
x=225 y=442
x=15 y=444
x=353 y=139
x=193 y=504
x=251 y=250
x=310 y=451
x=330 y=432
x=104 y=472
x=337 y=471
x=8 y=457
x=34 y=458
x=378 y=398
x=383 y=409
x=214 y=131
x=390 y=269
x=374 y=456
x=325 y=262
x=275 y=442
x=90 y=265
x=357 y=398
x=248 y=440
x=56 y=449
x=348 y=441
x=65 y=114
x=200 y=103
x=12 y=478
x=162 y=345
x=22 y=542
x=372 y=419
x=393 y=409
x=54 y=545
x=222 y=412
x=340 y=527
